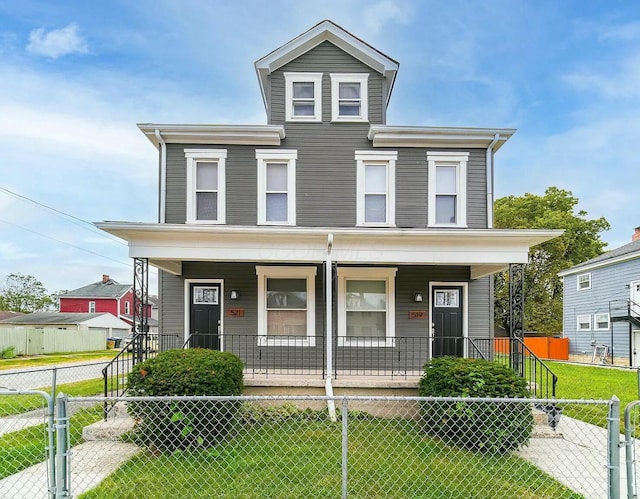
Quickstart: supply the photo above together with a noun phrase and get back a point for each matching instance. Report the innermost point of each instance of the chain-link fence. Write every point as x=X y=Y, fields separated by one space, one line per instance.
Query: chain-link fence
x=191 y=447
x=67 y=378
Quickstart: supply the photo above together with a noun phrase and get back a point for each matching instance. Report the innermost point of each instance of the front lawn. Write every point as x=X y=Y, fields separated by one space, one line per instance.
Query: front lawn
x=56 y=358
x=302 y=458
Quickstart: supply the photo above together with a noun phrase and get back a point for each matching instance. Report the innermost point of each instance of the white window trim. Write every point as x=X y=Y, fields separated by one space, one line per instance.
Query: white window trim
x=373 y=274
x=578 y=328
x=389 y=159
x=265 y=156
x=308 y=273
x=578 y=281
x=363 y=79
x=316 y=79
x=127 y=308
x=595 y=322
x=92 y=305
x=193 y=156
x=459 y=160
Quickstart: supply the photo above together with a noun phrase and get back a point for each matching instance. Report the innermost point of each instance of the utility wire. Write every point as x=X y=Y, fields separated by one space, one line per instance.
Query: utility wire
x=66 y=243
x=85 y=224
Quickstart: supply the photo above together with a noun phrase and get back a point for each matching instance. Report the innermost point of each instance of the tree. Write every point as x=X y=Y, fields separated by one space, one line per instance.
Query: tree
x=542 y=286
x=24 y=293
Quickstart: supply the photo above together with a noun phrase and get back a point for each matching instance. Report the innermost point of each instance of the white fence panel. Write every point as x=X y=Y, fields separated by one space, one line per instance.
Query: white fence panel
x=32 y=341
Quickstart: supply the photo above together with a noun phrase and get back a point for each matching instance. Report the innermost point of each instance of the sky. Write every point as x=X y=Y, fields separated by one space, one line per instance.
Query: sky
x=76 y=77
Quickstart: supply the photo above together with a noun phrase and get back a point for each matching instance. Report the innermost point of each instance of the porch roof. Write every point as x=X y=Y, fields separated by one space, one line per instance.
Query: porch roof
x=485 y=251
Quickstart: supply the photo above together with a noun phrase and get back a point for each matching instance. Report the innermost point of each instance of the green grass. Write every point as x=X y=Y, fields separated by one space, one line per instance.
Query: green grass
x=17 y=404
x=592 y=382
x=297 y=459
x=24 y=448
x=57 y=358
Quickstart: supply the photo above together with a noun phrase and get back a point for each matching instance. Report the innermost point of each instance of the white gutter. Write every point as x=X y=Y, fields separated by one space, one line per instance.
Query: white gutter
x=331 y=406
x=489 y=162
x=162 y=178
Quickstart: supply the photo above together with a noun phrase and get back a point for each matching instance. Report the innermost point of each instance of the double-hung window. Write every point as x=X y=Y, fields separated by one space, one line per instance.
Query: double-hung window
x=583 y=322
x=303 y=93
x=127 y=308
x=584 y=281
x=376 y=186
x=366 y=307
x=276 y=186
x=92 y=307
x=349 y=96
x=601 y=322
x=286 y=306
x=206 y=185
x=447 y=187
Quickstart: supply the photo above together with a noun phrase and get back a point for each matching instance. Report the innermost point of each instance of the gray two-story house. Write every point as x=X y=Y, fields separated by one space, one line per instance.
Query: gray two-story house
x=602 y=306
x=326 y=242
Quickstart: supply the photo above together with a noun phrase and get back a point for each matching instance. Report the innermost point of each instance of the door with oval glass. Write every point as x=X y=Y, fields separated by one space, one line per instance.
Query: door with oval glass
x=447 y=321
x=204 y=318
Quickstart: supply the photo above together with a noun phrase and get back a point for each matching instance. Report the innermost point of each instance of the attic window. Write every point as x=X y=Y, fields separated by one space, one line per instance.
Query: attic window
x=349 y=97
x=303 y=93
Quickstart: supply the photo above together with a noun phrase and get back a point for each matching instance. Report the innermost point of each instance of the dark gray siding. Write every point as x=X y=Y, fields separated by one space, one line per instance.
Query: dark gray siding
x=608 y=286
x=326 y=58
x=481 y=308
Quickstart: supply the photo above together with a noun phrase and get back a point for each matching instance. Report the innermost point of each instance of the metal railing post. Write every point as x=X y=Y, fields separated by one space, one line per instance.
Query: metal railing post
x=62 y=429
x=613 y=448
x=345 y=445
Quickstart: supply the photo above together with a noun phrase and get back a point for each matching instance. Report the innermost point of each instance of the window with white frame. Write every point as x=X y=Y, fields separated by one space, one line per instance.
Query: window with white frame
x=376 y=187
x=303 y=95
x=447 y=203
x=276 y=186
x=127 y=308
x=583 y=322
x=206 y=185
x=584 y=281
x=92 y=307
x=601 y=322
x=366 y=307
x=286 y=305
x=349 y=96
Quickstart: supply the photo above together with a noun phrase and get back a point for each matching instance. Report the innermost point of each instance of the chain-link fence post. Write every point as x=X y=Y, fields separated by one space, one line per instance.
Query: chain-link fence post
x=629 y=450
x=62 y=438
x=345 y=444
x=613 y=448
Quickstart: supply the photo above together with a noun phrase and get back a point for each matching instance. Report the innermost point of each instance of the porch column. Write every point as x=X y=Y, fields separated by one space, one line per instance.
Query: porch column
x=516 y=315
x=140 y=306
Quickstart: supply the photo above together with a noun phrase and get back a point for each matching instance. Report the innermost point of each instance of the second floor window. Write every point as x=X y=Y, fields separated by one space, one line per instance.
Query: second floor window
x=276 y=186
x=206 y=185
x=303 y=95
x=584 y=281
x=127 y=308
x=349 y=97
x=92 y=307
x=447 y=187
x=375 y=187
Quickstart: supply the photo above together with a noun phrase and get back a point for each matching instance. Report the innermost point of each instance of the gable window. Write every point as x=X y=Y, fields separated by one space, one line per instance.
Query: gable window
x=601 y=322
x=276 y=186
x=584 y=281
x=286 y=306
x=584 y=323
x=303 y=96
x=206 y=185
x=127 y=308
x=376 y=173
x=447 y=203
x=366 y=307
x=349 y=96
x=92 y=307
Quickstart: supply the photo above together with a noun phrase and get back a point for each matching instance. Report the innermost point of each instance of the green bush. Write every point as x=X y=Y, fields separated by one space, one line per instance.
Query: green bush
x=494 y=427
x=8 y=353
x=169 y=426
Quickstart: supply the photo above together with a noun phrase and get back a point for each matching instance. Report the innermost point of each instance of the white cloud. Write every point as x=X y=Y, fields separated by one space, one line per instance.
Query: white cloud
x=57 y=42
x=378 y=15
x=618 y=82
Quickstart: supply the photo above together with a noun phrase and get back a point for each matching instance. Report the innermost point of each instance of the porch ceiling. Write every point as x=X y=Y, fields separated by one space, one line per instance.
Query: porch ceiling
x=485 y=251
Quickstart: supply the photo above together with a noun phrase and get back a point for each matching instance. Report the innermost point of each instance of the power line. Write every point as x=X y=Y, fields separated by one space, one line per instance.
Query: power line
x=65 y=243
x=85 y=224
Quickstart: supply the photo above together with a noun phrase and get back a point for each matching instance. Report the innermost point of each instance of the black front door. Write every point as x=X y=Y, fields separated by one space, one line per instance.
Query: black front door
x=205 y=316
x=447 y=321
